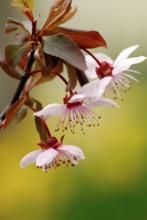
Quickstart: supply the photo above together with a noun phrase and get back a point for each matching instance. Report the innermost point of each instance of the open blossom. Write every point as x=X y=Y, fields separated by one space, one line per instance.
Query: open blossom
x=78 y=106
x=53 y=154
x=119 y=70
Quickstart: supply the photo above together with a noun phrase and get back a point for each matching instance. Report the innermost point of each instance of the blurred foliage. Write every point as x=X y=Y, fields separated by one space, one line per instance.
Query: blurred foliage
x=112 y=182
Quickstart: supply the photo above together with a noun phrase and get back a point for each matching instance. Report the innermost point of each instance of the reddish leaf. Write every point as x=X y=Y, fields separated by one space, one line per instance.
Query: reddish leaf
x=13 y=25
x=69 y=15
x=23 y=62
x=14 y=53
x=58 y=10
x=8 y=69
x=72 y=75
x=23 y=4
x=37 y=106
x=44 y=62
x=85 y=39
x=63 y=47
x=32 y=81
x=21 y=114
x=12 y=111
x=51 y=62
x=82 y=78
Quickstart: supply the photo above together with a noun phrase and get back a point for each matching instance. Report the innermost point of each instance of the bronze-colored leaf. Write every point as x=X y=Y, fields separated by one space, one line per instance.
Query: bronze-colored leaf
x=69 y=15
x=12 y=111
x=63 y=47
x=72 y=75
x=8 y=69
x=14 y=53
x=84 y=39
x=23 y=4
x=13 y=25
x=32 y=82
x=51 y=62
x=37 y=106
x=82 y=78
x=59 y=9
x=21 y=114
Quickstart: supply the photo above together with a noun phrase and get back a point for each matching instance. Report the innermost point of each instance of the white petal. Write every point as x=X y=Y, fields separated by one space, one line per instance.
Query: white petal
x=50 y=110
x=126 y=64
x=91 y=65
x=103 y=102
x=136 y=60
x=96 y=86
x=74 y=150
x=89 y=88
x=46 y=157
x=102 y=85
x=125 y=53
x=103 y=57
x=30 y=158
x=122 y=66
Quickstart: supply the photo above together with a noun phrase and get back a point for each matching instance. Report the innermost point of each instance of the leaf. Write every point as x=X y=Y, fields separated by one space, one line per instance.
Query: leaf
x=82 y=78
x=63 y=47
x=72 y=74
x=24 y=4
x=69 y=15
x=57 y=12
x=8 y=69
x=31 y=82
x=12 y=111
x=37 y=106
x=50 y=62
x=14 y=53
x=85 y=39
x=13 y=25
x=21 y=114
x=45 y=61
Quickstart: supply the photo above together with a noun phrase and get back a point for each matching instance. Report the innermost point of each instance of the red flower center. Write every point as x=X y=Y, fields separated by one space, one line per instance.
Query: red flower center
x=105 y=69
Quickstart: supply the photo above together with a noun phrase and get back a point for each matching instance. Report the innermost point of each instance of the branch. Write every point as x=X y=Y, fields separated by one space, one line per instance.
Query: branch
x=21 y=84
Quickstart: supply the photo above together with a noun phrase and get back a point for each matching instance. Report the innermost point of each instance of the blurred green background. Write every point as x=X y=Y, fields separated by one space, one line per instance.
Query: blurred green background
x=112 y=182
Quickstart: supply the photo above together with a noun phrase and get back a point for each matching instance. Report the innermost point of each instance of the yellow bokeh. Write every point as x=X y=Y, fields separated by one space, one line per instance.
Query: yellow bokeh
x=111 y=182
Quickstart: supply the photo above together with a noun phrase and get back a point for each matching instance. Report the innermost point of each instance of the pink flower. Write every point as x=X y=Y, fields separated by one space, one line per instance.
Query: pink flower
x=53 y=154
x=78 y=106
x=119 y=70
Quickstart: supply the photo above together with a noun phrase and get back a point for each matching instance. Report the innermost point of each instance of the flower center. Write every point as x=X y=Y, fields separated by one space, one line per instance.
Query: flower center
x=52 y=142
x=75 y=113
x=105 y=69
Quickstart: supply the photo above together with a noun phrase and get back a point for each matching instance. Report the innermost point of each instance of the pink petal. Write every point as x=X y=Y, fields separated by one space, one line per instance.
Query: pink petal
x=29 y=158
x=74 y=150
x=50 y=110
x=76 y=98
x=125 y=53
x=46 y=157
x=94 y=87
x=88 y=89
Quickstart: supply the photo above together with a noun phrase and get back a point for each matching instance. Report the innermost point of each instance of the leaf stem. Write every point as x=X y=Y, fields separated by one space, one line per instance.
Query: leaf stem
x=87 y=51
x=43 y=123
x=60 y=76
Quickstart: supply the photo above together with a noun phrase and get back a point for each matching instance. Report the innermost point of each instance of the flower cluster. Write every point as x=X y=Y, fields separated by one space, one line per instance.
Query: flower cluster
x=93 y=80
